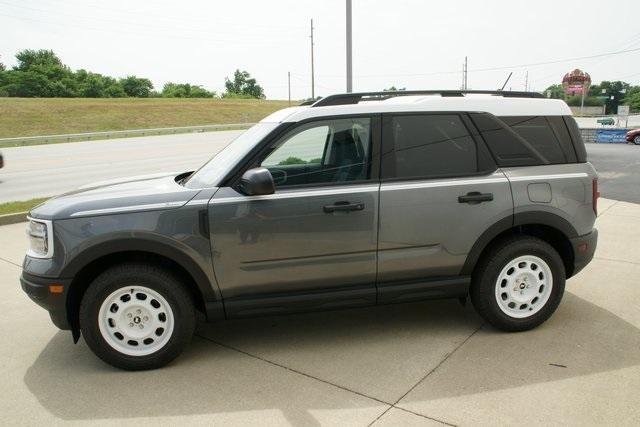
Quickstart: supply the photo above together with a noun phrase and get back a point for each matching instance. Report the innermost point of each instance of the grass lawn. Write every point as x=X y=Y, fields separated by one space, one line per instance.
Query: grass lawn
x=51 y=116
x=23 y=206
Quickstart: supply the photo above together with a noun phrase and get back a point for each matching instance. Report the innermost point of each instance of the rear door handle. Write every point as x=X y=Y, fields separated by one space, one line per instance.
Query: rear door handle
x=343 y=206
x=475 y=197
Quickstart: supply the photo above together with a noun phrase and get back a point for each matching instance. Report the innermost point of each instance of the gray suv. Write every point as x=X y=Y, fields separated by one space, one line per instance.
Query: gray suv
x=355 y=200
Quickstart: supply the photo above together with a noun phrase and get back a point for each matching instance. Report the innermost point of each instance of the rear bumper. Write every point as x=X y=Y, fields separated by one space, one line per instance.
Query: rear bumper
x=583 y=249
x=37 y=288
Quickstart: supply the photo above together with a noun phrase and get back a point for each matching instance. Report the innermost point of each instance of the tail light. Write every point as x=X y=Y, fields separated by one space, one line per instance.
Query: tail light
x=596 y=194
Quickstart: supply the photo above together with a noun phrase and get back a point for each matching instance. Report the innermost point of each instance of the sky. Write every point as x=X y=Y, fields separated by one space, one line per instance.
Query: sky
x=404 y=43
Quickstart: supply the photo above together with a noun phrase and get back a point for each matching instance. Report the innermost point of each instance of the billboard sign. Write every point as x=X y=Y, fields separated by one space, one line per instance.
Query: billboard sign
x=611 y=136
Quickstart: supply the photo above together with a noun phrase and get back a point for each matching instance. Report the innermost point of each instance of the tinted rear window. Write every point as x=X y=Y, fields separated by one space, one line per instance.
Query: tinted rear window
x=536 y=130
x=527 y=140
x=425 y=146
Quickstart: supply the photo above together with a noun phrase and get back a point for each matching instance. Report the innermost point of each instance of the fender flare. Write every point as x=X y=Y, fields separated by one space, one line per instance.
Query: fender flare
x=154 y=246
x=524 y=218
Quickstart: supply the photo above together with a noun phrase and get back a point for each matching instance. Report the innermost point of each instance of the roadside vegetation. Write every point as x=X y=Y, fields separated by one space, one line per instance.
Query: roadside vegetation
x=51 y=116
x=22 y=206
x=609 y=94
x=41 y=74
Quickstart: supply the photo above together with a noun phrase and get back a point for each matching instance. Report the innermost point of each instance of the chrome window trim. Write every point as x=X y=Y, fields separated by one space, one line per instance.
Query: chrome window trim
x=434 y=184
x=298 y=193
x=49 y=225
x=548 y=177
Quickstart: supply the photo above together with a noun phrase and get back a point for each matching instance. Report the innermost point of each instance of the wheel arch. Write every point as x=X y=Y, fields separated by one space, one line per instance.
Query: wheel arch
x=96 y=259
x=549 y=227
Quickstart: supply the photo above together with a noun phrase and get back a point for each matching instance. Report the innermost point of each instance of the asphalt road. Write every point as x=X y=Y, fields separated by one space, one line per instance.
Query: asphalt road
x=618 y=168
x=47 y=170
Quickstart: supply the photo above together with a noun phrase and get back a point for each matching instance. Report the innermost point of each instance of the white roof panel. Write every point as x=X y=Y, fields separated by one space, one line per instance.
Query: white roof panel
x=496 y=105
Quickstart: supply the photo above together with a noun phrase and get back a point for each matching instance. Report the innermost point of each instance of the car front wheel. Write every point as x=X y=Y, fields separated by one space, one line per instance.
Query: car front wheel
x=518 y=284
x=636 y=140
x=137 y=316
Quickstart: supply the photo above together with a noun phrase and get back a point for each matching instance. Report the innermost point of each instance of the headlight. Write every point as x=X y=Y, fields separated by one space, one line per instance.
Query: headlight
x=40 y=234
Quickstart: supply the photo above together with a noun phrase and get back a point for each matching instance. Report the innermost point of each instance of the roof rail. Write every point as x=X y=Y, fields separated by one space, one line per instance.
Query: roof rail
x=354 y=98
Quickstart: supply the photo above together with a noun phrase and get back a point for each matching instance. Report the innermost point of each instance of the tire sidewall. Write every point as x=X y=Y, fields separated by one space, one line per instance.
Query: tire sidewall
x=504 y=256
x=163 y=283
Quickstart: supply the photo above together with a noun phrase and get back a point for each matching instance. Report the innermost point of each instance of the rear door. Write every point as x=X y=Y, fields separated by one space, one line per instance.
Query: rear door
x=440 y=191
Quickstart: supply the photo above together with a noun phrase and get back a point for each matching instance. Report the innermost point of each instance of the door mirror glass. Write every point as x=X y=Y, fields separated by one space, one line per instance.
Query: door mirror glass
x=257 y=182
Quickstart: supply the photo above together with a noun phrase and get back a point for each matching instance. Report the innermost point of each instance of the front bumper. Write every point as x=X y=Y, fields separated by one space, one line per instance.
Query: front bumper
x=583 y=249
x=37 y=288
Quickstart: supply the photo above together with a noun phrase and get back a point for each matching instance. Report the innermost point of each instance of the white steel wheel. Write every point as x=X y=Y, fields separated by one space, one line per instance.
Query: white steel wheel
x=524 y=286
x=636 y=140
x=136 y=321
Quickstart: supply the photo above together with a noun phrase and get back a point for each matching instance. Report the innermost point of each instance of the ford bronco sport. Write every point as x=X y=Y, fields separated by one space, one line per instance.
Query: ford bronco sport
x=355 y=200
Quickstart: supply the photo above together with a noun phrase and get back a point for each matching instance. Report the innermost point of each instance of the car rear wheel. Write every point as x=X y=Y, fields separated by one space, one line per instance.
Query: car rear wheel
x=137 y=316
x=636 y=139
x=518 y=284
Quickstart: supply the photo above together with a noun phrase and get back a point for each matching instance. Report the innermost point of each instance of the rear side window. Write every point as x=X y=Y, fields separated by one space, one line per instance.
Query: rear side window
x=506 y=146
x=537 y=131
x=426 y=146
x=527 y=140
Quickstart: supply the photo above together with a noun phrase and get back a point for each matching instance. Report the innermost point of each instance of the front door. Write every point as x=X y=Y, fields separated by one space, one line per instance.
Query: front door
x=311 y=244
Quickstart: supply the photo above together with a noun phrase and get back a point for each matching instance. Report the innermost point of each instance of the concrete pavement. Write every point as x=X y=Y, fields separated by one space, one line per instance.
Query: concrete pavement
x=415 y=364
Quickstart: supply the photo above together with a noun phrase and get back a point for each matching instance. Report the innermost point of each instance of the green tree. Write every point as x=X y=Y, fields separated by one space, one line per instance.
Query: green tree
x=590 y=101
x=185 y=90
x=28 y=58
x=555 y=92
x=136 y=86
x=243 y=85
x=613 y=94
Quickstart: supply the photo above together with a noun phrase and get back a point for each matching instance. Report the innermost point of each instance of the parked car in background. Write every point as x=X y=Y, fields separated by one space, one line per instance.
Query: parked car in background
x=608 y=121
x=634 y=136
x=356 y=200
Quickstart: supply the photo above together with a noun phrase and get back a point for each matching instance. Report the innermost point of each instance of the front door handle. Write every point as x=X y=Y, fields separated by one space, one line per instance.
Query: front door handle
x=475 y=197
x=343 y=207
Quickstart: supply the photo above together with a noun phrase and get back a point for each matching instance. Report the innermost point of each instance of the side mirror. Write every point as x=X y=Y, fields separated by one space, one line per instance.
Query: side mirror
x=257 y=182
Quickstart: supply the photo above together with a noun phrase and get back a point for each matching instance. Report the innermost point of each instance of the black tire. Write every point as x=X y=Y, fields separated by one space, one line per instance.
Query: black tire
x=151 y=277
x=485 y=277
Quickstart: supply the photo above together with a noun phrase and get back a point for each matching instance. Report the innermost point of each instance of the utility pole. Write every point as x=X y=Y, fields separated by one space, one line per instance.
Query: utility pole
x=289 y=86
x=466 y=73
x=313 y=89
x=526 y=81
x=349 y=50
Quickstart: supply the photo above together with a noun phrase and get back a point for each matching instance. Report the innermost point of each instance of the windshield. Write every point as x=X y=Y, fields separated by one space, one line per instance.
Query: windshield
x=210 y=174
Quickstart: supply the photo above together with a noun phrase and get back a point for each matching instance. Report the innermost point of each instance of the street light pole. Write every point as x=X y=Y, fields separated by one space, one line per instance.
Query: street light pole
x=313 y=89
x=349 y=50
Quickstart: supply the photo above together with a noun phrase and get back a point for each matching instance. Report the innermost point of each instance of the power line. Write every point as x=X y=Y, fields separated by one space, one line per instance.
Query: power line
x=501 y=68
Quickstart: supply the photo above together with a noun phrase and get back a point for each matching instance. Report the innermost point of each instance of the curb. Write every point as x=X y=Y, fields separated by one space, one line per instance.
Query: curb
x=13 y=218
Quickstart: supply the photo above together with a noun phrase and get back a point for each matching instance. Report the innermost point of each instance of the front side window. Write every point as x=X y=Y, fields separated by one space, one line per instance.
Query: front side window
x=425 y=146
x=329 y=151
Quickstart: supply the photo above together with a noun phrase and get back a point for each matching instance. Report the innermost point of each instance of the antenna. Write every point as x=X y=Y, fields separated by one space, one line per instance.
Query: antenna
x=506 y=81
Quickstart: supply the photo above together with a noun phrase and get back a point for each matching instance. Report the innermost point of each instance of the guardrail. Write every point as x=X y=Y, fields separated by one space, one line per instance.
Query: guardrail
x=88 y=136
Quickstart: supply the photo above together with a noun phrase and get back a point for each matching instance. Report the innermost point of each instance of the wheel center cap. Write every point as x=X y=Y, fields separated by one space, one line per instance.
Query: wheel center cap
x=522 y=286
x=136 y=319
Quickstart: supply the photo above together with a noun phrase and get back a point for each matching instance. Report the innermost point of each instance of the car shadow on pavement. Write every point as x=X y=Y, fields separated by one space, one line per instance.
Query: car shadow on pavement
x=211 y=377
